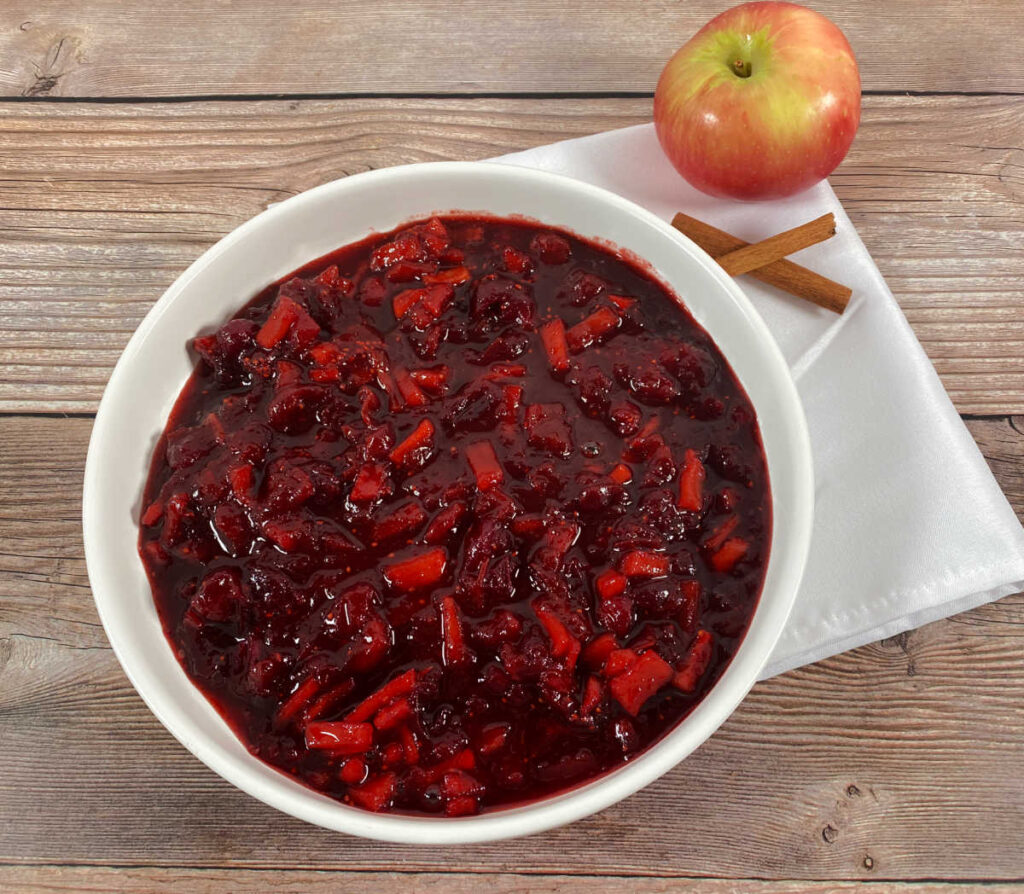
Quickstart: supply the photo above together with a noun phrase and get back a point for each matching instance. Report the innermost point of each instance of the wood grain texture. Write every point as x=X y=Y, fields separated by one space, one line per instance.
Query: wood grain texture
x=102 y=206
x=903 y=760
x=194 y=47
x=155 y=880
x=890 y=767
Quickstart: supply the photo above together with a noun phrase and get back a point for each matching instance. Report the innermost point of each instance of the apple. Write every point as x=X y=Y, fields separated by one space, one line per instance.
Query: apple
x=763 y=102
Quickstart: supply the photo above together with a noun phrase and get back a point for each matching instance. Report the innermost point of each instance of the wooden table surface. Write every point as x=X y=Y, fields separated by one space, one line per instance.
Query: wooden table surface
x=132 y=136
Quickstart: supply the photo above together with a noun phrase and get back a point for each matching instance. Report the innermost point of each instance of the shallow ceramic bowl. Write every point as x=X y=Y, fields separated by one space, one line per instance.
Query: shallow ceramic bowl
x=155 y=365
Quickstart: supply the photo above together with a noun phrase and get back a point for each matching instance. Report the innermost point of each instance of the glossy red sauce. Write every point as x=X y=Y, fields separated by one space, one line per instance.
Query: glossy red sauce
x=457 y=517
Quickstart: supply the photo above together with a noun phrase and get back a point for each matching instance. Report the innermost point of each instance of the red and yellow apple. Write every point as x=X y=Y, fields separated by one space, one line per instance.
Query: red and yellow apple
x=763 y=102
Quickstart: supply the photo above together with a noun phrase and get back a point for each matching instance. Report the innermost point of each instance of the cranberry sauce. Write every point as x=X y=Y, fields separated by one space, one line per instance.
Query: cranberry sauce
x=457 y=517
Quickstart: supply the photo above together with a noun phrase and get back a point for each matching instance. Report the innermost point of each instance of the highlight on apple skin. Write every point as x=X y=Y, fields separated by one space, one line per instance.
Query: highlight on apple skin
x=763 y=102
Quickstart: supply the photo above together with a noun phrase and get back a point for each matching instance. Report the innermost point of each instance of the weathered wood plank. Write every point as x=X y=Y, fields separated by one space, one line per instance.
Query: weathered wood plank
x=903 y=760
x=102 y=206
x=193 y=47
x=153 y=880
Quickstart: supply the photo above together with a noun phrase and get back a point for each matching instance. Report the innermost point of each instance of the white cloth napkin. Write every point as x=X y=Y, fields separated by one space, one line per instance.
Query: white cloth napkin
x=910 y=526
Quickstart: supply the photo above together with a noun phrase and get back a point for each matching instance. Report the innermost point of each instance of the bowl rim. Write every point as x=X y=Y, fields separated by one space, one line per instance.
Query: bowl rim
x=532 y=817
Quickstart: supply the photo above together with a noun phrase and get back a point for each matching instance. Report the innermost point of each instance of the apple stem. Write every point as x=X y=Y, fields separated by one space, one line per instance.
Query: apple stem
x=741 y=68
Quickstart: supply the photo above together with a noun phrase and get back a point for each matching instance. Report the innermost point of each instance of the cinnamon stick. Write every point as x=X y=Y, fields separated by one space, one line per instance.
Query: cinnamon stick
x=782 y=274
x=775 y=248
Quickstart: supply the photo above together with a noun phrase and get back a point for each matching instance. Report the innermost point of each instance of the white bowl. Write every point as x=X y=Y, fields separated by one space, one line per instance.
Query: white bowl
x=155 y=365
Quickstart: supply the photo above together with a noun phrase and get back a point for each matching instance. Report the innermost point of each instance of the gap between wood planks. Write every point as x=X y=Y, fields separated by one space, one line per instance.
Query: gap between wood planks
x=483 y=94
x=48 y=875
